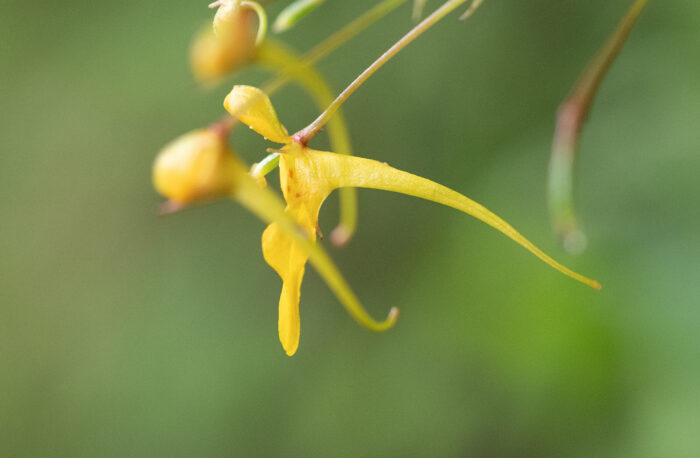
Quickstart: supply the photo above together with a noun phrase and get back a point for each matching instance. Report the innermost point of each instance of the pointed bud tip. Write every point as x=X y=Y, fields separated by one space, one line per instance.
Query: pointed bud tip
x=393 y=315
x=340 y=236
x=170 y=207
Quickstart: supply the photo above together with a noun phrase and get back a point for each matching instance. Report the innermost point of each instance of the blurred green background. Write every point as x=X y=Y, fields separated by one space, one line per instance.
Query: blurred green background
x=127 y=334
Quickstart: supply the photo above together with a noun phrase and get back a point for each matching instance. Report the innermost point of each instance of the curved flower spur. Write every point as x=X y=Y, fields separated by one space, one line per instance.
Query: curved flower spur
x=308 y=176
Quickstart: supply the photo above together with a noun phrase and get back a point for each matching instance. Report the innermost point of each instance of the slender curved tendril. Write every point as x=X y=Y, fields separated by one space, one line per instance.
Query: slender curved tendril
x=267 y=206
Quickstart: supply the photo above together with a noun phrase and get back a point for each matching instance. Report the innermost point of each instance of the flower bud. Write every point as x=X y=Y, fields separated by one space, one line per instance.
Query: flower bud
x=195 y=167
x=225 y=48
x=226 y=15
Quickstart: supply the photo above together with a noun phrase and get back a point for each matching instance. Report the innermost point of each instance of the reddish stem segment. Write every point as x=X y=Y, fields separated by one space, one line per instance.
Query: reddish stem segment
x=572 y=113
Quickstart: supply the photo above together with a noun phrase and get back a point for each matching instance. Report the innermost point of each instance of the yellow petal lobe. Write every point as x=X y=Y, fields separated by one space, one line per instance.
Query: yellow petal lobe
x=324 y=171
x=288 y=259
x=253 y=108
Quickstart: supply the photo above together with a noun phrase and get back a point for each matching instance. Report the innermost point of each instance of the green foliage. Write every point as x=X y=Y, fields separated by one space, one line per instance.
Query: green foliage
x=125 y=334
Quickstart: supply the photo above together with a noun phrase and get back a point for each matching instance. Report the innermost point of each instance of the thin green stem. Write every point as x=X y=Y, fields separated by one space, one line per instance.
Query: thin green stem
x=265 y=166
x=471 y=10
x=571 y=115
x=293 y=13
x=350 y=30
x=418 y=6
x=304 y=135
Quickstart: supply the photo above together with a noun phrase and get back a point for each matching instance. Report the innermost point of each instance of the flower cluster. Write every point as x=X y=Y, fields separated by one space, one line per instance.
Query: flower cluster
x=201 y=166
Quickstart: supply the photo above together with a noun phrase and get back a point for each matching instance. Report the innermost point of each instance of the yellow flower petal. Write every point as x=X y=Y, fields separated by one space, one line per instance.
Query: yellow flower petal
x=253 y=108
x=288 y=259
x=268 y=207
x=324 y=171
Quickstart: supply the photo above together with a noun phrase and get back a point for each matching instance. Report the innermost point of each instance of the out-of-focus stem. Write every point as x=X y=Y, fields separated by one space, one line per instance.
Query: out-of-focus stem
x=293 y=13
x=471 y=10
x=350 y=30
x=304 y=135
x=418 y=6
x=571 y=115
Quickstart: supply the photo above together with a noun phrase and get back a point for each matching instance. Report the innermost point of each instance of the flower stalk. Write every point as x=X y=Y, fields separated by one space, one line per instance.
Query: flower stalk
x=572 y=113
x=306 y=134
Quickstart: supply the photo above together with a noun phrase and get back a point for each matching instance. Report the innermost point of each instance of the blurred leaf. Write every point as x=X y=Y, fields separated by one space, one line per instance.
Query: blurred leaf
x=293 y=13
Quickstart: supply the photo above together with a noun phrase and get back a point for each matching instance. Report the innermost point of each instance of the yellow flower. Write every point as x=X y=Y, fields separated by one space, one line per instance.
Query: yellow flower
x=200 y=166
x=308 y=176
x=229 y=45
